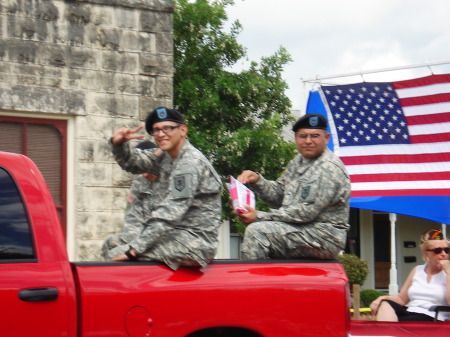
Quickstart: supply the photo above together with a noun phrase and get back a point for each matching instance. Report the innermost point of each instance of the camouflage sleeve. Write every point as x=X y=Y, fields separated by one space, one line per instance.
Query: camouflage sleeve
x=136 y=160
x=271 y=192
x=189 y=186
x=328 y=186
x=133 y=194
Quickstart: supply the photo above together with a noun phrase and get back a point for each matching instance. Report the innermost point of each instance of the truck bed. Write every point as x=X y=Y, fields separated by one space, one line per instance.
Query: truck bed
x=270 y=298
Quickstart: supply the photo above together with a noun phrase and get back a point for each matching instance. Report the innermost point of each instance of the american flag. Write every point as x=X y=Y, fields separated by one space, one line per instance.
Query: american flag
x=393 y=137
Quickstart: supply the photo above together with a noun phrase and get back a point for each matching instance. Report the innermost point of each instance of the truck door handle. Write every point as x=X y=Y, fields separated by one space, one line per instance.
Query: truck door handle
x=38 y=294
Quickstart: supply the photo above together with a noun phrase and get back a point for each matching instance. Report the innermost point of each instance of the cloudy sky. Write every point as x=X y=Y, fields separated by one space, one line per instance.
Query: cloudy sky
x=333 y=37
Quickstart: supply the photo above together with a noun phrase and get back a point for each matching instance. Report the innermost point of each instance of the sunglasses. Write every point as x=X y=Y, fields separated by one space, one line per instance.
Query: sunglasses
x=439 y=250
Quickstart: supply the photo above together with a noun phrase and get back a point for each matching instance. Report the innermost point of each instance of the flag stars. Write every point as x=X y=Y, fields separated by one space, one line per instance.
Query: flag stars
x=366 y=114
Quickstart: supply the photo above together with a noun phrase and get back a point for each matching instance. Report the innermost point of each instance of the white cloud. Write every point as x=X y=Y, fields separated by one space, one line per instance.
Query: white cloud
x=327 y=37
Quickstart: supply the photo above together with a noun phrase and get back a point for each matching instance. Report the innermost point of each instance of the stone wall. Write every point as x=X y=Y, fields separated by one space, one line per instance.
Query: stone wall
x=101 y=64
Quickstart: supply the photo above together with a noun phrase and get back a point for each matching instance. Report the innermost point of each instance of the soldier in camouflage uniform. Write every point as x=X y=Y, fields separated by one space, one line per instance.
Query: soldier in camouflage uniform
x=310 y=202
x=140 y=202
x=182 y=229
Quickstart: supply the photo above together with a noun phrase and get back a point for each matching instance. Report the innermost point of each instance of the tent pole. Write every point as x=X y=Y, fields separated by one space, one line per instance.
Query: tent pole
x=393 y=283
x=358 y=73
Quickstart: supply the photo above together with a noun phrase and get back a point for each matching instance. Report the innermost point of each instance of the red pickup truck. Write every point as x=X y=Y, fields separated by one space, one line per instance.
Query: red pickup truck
x=42 y=293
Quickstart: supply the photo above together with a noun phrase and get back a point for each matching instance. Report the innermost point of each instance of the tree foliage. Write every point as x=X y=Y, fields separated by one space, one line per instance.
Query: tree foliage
x=234 y=118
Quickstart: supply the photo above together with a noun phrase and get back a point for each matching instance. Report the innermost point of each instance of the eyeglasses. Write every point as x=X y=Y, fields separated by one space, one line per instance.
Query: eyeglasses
x=165 y=129
x=313 y=136
x=439 y=250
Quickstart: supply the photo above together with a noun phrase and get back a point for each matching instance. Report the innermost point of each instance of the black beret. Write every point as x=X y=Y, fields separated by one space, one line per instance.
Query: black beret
x=310 y=121
x=146 y=144
x=162 y=114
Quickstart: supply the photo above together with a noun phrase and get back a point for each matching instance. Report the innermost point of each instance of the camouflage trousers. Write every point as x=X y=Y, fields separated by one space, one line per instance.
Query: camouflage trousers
x=169 y=252
x=272 y=239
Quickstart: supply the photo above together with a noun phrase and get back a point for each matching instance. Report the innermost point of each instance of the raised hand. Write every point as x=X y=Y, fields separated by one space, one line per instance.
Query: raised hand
x=125 y=134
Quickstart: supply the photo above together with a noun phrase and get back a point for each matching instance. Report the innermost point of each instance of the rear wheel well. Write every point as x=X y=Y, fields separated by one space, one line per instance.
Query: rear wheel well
x=224 y=332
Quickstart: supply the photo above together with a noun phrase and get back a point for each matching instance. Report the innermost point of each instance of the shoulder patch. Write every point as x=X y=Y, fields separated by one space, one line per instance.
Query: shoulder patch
x=131 y=198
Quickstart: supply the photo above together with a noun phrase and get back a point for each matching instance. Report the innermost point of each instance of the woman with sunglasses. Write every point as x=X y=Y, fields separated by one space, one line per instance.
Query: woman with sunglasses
x=426 y=285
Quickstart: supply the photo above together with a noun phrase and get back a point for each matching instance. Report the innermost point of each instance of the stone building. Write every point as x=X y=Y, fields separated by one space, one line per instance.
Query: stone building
x=72 y=72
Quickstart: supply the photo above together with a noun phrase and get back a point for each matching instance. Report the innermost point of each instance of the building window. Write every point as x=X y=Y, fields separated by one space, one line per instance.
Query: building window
x=43 y=141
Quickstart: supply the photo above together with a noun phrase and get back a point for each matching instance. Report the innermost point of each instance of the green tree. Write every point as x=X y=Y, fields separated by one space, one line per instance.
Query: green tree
x=234 y=118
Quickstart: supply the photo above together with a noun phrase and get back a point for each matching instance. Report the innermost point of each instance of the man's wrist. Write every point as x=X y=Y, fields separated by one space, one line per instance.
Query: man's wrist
x=129 y=254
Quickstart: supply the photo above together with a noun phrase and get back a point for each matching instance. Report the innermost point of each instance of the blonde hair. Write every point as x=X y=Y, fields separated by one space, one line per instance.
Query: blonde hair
x=432 y=234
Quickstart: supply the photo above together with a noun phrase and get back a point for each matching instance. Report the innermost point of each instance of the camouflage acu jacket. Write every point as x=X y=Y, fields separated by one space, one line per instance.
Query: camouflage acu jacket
x=309 y=191
x=187 y=204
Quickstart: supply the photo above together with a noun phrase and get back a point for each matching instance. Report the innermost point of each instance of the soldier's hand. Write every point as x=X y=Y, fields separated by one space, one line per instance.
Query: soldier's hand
x=120 y=257
x=248 y=177
x=125 y=134
x=247 y=215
